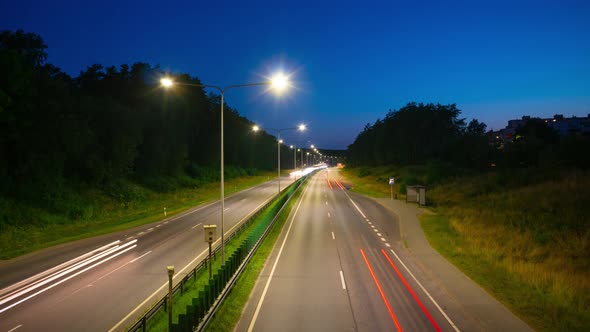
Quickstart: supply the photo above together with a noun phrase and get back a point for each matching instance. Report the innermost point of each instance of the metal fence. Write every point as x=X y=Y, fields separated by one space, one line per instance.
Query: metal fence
x=205 y=304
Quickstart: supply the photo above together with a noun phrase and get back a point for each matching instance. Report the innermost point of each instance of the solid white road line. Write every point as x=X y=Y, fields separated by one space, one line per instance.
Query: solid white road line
x=197 y=225
x=138 y=258
x=412 y=275
x=178 y=274
x=357 y=208
x=342 y=280
x=272 y=271
x=14 y=328
x=426 y=292
x=120 y=267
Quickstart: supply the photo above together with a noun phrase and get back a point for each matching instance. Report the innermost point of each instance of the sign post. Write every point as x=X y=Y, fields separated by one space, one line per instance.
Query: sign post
x=210 y=233
x=391 y=183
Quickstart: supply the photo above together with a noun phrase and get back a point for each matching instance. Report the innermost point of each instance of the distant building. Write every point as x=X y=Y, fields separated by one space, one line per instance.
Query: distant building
x=563 y=126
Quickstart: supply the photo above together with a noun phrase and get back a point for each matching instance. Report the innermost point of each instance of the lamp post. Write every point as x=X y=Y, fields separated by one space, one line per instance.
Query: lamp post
x=279 y=82
x=294 y=157
x=301 y=127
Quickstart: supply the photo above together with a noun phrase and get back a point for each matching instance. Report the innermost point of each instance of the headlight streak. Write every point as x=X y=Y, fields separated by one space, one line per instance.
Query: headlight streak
x=117 y=250
x=9 y=290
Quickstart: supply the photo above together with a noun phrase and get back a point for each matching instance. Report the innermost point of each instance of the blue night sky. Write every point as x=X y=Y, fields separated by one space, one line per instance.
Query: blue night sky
x=350 y=61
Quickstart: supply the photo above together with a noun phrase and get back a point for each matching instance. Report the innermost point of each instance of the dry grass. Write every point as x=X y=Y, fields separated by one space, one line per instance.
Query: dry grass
x=524 y=237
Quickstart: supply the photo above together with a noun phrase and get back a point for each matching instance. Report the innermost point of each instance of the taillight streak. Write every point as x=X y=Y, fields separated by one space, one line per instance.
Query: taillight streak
x=387 y=305
x=432 y=321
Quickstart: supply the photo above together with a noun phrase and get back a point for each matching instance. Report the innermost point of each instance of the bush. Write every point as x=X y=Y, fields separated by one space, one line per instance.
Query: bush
x=363 y=171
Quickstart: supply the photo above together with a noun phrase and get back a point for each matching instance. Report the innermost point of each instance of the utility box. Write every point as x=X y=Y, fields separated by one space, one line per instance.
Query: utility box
x=416 y=194
x=210 y=233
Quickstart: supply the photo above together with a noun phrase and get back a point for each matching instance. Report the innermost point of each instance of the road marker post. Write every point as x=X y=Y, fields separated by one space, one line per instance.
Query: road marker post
x=170 y=275
x=391 y=183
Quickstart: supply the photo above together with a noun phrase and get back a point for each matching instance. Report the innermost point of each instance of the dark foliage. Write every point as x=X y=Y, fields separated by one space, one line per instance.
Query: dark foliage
x=110 y=125
x=428 y=134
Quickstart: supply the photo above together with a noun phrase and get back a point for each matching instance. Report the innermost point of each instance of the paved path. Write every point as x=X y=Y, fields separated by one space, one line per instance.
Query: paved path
x=481 y=307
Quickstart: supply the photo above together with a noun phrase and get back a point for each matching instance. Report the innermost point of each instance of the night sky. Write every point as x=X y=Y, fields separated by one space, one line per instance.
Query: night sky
x=350 y=62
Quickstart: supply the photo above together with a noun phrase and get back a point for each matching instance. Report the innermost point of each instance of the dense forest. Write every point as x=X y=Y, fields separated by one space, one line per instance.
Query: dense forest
x=419 y=134
x=109 y=126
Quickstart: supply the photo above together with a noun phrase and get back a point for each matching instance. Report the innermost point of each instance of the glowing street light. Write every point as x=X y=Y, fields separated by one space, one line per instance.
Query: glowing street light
x=166 y=82
x=301 y=127
x=279 y=83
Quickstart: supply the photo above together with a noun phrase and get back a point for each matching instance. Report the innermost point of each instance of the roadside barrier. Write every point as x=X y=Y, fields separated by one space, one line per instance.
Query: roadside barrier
x=208 y=300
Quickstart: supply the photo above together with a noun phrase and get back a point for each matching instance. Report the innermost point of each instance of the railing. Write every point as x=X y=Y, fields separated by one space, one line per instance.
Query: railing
x=206 y=303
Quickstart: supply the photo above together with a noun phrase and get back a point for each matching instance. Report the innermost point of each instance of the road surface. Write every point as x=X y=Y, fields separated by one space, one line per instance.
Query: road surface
x=340 y=265
x=107 y=282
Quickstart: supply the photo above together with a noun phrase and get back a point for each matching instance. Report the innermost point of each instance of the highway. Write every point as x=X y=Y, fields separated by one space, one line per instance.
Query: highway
x=105 y=283
x=340 y=265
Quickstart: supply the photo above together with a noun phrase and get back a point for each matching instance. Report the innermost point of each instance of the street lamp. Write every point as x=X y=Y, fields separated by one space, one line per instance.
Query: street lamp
x=278 y=83
x=301 y=127
x=294 y=156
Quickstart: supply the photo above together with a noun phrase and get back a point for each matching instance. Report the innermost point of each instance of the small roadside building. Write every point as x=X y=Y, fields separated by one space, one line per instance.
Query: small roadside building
x=416 y=194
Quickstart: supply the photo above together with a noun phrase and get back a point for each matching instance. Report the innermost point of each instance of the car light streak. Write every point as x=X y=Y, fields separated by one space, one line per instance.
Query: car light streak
x=111 y=253
x=426 y=292
x=393 y=317
x=432 y=321
x=53 y=269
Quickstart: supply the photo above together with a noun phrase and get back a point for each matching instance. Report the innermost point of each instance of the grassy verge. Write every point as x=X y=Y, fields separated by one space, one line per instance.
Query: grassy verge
x=523 y=237
x=102 y=214
x=159 y=322
x=230 y=311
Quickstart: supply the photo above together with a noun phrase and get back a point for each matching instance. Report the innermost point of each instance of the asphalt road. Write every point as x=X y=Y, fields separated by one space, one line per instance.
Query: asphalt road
x=340 y=265
x=105 y=283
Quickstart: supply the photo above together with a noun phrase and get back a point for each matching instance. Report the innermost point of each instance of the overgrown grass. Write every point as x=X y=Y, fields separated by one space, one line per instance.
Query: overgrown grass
x=523 y=236
x=230 y=311
x=96 y=213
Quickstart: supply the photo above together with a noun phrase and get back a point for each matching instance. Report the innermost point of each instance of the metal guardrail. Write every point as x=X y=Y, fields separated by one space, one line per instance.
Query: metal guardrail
x=141 y=323
x=203 y=324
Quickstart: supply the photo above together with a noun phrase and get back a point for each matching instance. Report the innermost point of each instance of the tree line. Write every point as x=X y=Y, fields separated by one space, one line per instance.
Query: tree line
x=419 y=134
x=110 y=124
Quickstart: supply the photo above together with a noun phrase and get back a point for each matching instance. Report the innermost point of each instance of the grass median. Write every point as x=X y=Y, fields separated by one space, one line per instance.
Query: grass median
x=230 y=311
x=181 y=300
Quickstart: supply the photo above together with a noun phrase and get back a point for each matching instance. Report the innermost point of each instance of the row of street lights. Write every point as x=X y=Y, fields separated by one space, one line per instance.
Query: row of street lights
x=301 y=127
x=278 y=83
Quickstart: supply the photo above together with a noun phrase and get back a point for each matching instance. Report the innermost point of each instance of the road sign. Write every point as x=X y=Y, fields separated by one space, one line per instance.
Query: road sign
x=391 y=181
